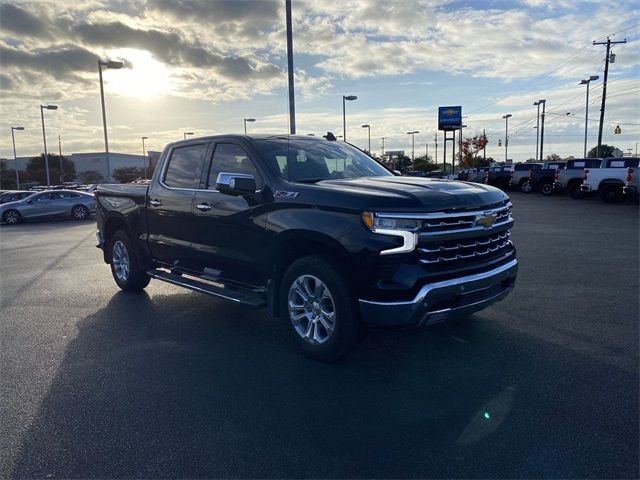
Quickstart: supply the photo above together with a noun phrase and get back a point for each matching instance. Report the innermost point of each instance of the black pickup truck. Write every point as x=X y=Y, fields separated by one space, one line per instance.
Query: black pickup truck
x=542 y=179
x=315 y=231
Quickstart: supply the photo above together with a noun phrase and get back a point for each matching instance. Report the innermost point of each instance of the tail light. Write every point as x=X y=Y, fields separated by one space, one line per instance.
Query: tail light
x=557 y=175
x=585 y=174
x=629 y=175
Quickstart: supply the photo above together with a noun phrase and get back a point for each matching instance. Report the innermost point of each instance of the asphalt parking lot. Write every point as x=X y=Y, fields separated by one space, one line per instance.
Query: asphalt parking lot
x=99 y=383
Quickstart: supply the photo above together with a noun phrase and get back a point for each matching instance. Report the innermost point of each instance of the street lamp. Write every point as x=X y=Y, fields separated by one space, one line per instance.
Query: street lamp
x=506 y=134
x=113 y=65
x=245 y=123
x=382 y=138
x=186 y=133
x=144 y=159
x=586 y=110
x=413 y=143
x=44 y=139
x=537 y=104
x=368 y=127
x=344 y=115
x=15 y=157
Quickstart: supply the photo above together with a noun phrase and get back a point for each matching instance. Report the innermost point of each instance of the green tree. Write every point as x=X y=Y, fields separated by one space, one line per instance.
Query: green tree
x=127 y=174
x=7 y=176
x=554 y=157
x=424 y=164
x=403 y=164
x=606 y=151
x=37 y=169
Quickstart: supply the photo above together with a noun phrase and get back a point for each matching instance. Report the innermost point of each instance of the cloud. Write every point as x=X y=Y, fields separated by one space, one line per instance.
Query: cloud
x=19 y=21
x=63 y=62
x=262 y=12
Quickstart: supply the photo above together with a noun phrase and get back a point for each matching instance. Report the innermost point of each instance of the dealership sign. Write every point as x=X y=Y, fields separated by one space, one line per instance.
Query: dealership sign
x=449 y=118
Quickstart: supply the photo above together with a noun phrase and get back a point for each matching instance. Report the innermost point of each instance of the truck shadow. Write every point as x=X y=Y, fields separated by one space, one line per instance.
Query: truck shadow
x=185 y=386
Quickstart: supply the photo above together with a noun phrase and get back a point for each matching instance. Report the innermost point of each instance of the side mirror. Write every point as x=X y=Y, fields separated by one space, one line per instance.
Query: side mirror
x=236 y=183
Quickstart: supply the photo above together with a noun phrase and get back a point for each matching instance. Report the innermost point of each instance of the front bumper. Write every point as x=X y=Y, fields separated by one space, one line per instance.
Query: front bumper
x=437 y=302
x=558 y=187
x=100 y=240
x=585 y=188
x=630 y=191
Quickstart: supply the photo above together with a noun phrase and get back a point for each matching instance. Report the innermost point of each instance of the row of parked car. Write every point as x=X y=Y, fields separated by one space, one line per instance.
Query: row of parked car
x=612 y=179
x=20 y=205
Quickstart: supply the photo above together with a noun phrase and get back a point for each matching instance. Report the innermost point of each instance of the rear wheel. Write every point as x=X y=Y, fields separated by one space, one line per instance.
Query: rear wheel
x=125 y=266
x=574 y=191
x=611 y=194
x=11 y=217
x=546 y=189
x=80 y=212
x=526 y=187
x=320 y=310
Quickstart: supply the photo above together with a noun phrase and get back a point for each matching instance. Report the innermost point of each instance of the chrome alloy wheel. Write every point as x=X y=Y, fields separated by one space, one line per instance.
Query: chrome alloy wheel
x=311 y=309
x=11 y=217
x=120 y=260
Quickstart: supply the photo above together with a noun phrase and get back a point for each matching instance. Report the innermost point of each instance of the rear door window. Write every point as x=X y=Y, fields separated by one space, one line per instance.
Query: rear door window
x=185 y=166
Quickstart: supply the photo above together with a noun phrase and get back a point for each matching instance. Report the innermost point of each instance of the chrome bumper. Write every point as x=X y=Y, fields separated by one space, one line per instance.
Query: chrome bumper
x=585 y=188
x=441 y=301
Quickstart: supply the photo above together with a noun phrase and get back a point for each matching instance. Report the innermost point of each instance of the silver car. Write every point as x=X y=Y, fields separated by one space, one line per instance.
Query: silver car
x=49 y=204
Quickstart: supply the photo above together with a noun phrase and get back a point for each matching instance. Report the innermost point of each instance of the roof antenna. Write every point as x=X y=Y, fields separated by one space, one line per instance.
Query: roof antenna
x=330 y=136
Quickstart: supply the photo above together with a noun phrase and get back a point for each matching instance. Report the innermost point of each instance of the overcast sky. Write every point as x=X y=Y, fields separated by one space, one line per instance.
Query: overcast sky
x=204 y=65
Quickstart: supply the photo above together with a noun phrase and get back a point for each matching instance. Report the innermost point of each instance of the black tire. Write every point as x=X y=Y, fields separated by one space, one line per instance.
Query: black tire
x=611 y=194
x=80 y=212
x=135 y=279
x=526 y=187
x=574 y=191
x=546 y=189
x=348 y=328
x=11 y=217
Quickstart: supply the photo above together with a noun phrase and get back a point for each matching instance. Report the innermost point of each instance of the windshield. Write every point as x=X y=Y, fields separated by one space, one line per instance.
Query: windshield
x=310 y=161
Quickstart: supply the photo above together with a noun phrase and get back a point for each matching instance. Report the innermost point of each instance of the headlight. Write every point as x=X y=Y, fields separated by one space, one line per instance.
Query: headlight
x=383 y=223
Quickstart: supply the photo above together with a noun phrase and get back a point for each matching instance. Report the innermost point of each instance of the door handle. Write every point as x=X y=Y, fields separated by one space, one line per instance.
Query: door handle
x=203 y=207
x=155 y=203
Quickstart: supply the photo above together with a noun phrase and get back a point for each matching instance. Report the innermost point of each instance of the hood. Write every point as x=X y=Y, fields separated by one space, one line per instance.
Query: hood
x=414 y=193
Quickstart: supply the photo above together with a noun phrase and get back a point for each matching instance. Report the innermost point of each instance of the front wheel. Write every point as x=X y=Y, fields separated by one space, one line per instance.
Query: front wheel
x=80 y=212
x=320 y=310
x=125 y=265
x=546 y=189
x=11 y=217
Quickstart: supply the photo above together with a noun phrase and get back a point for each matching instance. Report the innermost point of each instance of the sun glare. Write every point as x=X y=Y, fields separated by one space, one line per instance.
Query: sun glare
x=146 y=77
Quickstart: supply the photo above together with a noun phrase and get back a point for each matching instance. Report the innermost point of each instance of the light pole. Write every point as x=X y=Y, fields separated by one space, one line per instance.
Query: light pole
x=114 y=65
x=368 y=127
x=506 y=134
x=382 y=138
x=60 y=158
x=586 y=109
x=435 y=139
x=537 y=104
x=544 y=107
x=344 y=115
x=413 y=143
x=251 y=120
x=144 y=158
x=184 y=135
x=15 y=157
x=44 y=139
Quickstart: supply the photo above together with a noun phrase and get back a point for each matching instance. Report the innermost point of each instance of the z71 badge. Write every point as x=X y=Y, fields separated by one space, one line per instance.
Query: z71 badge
x=285 y=194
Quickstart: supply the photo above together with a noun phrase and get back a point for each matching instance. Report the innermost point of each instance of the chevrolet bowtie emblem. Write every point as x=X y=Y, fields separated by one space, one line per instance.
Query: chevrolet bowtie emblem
x=450 y=112
x=486 y=220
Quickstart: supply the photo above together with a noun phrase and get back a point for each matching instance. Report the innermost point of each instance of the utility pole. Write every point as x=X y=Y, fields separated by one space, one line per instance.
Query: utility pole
x=435 y=139
x=292 y=103
x=506 y=135
x=382 y=138
x=484 y=149
x=607 y=60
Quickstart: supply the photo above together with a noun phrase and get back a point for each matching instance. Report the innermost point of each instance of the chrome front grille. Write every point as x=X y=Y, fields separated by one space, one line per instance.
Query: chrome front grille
x=470 y=249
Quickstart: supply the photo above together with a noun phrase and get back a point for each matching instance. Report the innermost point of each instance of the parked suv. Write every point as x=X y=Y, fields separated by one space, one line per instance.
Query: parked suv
x=315 y=231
